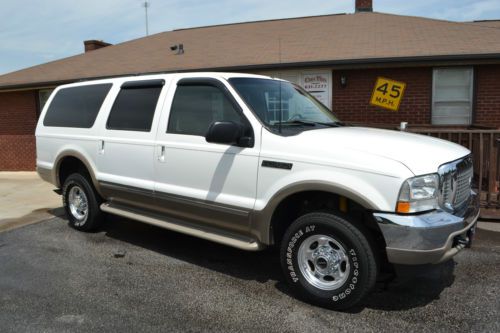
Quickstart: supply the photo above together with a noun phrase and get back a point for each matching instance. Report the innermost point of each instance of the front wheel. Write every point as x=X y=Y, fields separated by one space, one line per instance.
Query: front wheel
x=328 y=260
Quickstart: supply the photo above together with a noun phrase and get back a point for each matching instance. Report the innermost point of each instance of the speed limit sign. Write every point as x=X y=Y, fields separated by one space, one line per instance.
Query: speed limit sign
x=387 y=93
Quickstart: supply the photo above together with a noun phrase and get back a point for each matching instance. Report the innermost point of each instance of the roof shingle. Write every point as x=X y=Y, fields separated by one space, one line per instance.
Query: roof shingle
x=330 y=38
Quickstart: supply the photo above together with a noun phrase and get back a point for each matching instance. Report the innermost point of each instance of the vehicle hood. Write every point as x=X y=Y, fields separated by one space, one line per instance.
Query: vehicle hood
x=419 y=153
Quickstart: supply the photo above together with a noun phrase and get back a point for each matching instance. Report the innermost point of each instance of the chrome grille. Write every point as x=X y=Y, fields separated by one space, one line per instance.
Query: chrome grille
x=464 y=180
x=455 y=183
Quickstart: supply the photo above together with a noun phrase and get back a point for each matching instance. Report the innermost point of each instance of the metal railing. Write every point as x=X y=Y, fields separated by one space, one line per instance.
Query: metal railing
x=484 y=144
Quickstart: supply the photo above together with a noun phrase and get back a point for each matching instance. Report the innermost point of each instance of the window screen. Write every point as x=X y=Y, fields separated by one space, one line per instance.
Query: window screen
x=76 y=106
x=196 y=107
x=135 y=106
x=452 y=96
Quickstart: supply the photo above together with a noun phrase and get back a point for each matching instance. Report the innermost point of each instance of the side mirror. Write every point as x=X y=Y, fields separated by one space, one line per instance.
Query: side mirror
x=227 y=132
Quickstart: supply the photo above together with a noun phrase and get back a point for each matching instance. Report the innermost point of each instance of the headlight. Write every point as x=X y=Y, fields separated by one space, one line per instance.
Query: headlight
x=418 y=194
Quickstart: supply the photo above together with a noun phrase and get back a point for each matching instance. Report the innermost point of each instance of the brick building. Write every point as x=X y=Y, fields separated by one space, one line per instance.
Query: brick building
x=451 y=69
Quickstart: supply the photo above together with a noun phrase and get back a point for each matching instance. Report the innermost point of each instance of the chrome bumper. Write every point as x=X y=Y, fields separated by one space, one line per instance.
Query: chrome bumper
x=428 y=238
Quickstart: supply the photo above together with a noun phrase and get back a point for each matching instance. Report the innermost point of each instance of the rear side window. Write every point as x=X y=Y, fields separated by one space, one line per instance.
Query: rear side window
x=76 y=106
x=135 y=106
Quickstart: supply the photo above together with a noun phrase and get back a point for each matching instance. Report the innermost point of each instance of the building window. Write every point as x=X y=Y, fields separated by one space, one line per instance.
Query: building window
x=43 y=96
x=274 y=106
x=452 y=96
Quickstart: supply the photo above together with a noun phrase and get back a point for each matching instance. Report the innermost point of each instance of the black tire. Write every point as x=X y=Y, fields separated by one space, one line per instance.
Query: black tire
x=358 y=268
x=93 y=217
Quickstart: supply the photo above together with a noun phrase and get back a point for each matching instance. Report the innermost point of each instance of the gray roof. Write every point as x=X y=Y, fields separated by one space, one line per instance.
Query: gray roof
x=319 y=40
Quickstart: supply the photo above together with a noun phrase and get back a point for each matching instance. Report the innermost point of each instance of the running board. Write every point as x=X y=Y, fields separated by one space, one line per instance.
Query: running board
x=237 y=243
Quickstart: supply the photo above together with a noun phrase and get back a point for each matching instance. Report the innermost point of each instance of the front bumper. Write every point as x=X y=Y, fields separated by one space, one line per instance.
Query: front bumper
x=428 y=238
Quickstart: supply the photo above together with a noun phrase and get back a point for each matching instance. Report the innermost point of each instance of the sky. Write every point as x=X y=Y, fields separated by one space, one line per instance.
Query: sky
x=38 y=31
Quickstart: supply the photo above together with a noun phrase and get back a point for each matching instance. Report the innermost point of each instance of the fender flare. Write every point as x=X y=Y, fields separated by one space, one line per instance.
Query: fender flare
x=260 y=223
x=81 y=157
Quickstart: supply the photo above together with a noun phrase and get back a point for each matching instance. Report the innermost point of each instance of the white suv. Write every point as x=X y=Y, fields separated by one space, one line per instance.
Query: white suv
x=249 y=161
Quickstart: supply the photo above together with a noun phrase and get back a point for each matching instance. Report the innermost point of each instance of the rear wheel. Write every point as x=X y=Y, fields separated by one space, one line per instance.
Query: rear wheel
x=328 y=260
x=81 y=203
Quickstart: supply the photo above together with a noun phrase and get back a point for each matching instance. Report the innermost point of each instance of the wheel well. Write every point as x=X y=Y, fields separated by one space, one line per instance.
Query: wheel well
x=298 y=204
x=69 y=165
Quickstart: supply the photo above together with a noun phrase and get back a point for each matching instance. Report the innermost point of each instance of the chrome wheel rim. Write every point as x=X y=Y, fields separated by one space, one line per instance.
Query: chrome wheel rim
x=78 y=203
x=323 y=262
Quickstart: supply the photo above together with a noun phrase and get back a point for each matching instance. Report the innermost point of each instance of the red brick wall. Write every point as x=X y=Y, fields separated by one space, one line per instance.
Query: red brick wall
x=17 y=128
x=487 y=108
x=18 y=109
x=17 y=152
x=364 y=5
x=352 y=103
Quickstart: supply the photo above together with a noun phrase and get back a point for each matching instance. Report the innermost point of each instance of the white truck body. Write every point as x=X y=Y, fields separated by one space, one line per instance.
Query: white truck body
x=230 y=193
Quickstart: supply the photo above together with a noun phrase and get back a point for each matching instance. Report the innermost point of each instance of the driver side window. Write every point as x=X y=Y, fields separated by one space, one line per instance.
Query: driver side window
x=196 y=107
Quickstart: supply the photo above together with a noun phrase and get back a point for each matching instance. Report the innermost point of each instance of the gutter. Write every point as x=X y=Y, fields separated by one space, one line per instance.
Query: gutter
x=412 y=61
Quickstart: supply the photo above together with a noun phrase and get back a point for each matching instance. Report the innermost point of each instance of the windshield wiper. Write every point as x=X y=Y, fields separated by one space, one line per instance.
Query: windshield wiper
x=309 y=123
x=296 y=122
x=332 y=124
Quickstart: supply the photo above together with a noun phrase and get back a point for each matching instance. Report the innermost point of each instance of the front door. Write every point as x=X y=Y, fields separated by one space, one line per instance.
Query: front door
x=213 y=185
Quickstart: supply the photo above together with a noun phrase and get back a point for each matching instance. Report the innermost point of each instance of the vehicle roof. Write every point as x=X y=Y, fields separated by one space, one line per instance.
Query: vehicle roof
x=120 y=79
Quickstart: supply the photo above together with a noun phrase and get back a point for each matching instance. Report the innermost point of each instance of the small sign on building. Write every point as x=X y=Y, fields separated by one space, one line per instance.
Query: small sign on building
x=387 y=93
x=318 y=85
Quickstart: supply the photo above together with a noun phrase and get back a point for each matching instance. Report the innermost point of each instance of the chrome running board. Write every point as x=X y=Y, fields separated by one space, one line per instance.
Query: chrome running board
x=120 y=210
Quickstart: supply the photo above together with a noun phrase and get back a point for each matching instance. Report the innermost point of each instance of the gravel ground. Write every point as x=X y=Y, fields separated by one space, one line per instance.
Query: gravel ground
x=134 y=277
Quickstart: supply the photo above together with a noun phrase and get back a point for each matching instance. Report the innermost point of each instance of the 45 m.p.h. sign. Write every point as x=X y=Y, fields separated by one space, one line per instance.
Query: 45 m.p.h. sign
x=387 y=93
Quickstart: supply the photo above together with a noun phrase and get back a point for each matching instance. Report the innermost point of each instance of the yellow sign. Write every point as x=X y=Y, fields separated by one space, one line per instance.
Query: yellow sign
x=387 y=93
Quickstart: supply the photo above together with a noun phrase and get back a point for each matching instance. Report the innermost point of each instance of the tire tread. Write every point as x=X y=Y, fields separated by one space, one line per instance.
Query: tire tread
x=361 y=235
x=95 y=216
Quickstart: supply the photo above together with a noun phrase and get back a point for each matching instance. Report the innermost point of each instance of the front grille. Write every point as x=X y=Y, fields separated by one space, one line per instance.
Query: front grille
x=464 y=180
x=455 y=183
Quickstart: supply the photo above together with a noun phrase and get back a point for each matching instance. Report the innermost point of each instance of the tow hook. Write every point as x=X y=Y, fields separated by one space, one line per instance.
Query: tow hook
x=462 y=241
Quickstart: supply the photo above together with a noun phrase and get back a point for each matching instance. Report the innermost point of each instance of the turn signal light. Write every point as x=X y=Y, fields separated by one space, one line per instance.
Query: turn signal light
x=403 y=207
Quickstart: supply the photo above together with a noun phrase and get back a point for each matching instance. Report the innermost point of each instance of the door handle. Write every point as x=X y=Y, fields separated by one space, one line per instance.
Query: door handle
x=161 y=155
x=101 y=147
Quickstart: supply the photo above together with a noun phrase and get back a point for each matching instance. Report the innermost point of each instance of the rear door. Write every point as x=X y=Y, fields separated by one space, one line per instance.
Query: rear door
x=206 y=183
x=127 y=143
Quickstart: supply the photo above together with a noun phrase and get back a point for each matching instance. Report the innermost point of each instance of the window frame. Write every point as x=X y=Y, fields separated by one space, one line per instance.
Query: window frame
x=137 y=84
x=40 y=92
x=472 y=92
x=211 y=82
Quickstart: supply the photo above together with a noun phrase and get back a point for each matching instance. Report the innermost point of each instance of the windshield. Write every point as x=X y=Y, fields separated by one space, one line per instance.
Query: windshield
x=268 y=97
